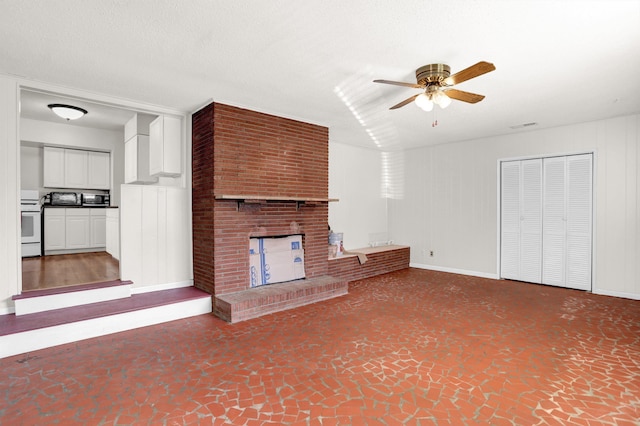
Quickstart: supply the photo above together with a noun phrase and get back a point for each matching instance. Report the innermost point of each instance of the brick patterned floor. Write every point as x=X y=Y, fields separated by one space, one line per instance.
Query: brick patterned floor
x=412 y=347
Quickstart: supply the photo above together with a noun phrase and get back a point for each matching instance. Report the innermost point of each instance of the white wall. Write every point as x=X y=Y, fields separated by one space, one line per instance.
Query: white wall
x=450 y=202
x=31 y=167
x=9 y=194
x=355 y=178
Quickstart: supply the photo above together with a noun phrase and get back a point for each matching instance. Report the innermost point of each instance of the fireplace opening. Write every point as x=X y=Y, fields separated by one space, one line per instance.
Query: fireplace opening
x=275 y=259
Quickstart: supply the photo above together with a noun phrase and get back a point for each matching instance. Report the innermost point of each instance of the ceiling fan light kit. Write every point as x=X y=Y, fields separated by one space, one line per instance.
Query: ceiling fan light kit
x=437 y=84
x=68 y=112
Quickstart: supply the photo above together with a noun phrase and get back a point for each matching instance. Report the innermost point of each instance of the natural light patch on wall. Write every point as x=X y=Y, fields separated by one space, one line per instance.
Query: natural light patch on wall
x=392 y=175
x=364 y=104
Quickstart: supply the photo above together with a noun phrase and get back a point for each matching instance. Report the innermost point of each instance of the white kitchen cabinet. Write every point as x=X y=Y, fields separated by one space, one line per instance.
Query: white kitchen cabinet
x=98 y=233
x=136 y=160
x=78 y=228
x=54 y=229
x=77 y=169
x=99 y=170
x=74 y=230
x=53 y=167
x=165 y=146
x=138 y=125
x=113 y=232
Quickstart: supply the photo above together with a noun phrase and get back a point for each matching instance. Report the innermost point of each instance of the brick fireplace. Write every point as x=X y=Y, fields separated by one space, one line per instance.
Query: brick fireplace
x=257 y=175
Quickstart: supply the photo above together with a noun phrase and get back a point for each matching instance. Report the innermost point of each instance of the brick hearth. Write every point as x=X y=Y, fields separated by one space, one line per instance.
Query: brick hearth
x=257 y=175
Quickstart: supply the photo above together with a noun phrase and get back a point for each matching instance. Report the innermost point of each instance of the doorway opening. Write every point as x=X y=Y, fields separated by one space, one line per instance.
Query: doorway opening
x=94 y=148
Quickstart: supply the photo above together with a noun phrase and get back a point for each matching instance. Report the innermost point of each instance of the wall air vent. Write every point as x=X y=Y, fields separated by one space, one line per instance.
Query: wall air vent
x=523 y=125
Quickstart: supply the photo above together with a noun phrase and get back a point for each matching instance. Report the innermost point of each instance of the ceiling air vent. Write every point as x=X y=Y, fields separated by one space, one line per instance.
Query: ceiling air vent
x=523 y=125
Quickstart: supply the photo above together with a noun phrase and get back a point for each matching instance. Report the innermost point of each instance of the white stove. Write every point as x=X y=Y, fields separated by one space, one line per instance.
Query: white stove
x=30 y=223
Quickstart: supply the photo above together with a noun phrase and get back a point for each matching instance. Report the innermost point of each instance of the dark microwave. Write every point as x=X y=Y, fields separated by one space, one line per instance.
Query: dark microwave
x=95 y=200
x=65 y=199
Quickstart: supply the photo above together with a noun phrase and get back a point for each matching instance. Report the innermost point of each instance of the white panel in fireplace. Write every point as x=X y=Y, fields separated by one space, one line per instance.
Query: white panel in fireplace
x=274 y=260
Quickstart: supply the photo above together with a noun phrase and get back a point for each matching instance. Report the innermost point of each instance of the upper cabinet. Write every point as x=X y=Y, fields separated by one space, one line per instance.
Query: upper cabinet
x=78 y=169
x=165 y=143
x=53 y=173
x=136 y=150
x=98 y=175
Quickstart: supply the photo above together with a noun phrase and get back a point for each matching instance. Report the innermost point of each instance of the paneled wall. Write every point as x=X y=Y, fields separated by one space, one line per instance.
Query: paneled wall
x=450 y=202
x=9 y=195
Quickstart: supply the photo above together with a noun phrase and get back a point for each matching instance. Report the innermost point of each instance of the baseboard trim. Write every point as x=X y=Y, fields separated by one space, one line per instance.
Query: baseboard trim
x=621 y=294
x=454 y=271
x=7 y=311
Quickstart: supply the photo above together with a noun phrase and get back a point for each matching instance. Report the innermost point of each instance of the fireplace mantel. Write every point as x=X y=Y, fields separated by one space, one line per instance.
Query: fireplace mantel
x=273 y=198
x=258 y=199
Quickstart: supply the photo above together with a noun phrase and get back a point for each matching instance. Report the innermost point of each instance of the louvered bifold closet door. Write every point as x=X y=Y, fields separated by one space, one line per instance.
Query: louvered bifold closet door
x=579 y=220
x=510 y=220
x=531 y=221
x=521 y=220
x=554 y=252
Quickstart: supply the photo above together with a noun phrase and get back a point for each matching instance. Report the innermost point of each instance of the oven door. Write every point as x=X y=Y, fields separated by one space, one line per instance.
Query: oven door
x=31 y=231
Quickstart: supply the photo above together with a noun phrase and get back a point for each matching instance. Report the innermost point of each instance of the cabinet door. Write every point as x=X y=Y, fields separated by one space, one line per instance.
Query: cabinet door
x=131 y=160
x=53 y=167
x=156 y=146
x=75 y=168
x=98 y=228
x=99 y=171
x=165 y=146
x=78 y=232
x=54 y=229
x=136 y=160
x=113 y=233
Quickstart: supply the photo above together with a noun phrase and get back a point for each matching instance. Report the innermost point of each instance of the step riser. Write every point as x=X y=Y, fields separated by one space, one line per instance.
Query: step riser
x=50 y=302
x=19 y=343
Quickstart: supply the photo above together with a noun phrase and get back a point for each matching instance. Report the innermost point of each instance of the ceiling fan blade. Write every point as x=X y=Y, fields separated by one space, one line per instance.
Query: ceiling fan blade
x=399 y=83
x=406 y=101
x=460 y=95
x=469 y=73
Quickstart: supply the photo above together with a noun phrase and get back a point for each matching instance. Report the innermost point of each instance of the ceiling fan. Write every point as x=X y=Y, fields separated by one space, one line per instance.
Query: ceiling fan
x=437 y=84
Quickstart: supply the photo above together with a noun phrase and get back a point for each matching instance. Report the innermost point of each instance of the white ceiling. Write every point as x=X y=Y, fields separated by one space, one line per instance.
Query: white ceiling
x=558 y=62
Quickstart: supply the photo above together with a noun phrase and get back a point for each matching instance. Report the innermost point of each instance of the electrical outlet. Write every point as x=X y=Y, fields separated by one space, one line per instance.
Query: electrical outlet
x=431 y=253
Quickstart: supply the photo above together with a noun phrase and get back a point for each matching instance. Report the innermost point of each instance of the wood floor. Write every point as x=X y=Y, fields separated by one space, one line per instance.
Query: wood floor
x=65 y=270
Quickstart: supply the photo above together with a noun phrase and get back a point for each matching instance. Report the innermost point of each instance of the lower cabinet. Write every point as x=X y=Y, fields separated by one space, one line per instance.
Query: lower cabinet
x=73 y=230
x=98 y=232
x=54 y=229
x=78 y=231
x=113 y=233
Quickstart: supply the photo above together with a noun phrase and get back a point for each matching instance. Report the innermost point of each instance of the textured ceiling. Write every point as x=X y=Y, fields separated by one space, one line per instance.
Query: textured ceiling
x=558 y=62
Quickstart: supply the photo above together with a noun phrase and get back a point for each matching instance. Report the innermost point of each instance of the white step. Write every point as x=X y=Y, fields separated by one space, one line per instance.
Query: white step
x=94 y=322
x=48 y=300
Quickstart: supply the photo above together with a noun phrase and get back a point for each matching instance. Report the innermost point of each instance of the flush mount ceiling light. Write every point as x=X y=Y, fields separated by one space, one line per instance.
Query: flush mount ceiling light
x=68 y=112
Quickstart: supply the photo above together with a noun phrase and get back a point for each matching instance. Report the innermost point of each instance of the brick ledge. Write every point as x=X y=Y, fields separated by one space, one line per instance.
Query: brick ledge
x=267 y=299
